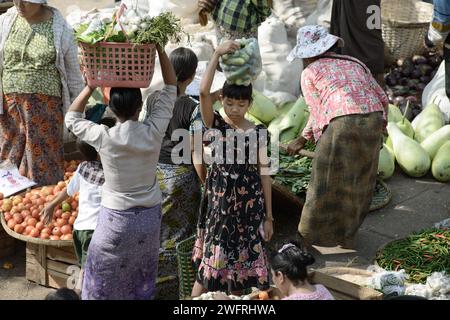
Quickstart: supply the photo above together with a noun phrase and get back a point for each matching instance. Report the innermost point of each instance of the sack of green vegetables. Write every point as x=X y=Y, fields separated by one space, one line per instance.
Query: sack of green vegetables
x=244 y=65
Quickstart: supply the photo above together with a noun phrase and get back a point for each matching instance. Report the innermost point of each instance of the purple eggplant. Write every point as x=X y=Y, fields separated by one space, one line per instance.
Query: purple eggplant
x=425 y=69
x=421 y=86
x=416 y=74
x=419 y=59
x=425 y=79
x=399 y=100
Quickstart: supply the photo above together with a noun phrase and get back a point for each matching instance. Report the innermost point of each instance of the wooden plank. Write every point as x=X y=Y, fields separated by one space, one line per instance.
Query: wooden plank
x=36 y=262
x=57 y=279
x=58 y=266
x=63 y=254
x=345 y=287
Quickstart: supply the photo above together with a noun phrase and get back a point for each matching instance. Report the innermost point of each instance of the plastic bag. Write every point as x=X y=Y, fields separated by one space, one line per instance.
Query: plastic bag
x=435 y=91
x=390 y=282
x=278 y=74
x=244 y=65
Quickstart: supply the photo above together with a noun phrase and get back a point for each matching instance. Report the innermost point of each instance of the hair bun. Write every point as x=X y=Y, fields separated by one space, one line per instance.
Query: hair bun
x=307 y=259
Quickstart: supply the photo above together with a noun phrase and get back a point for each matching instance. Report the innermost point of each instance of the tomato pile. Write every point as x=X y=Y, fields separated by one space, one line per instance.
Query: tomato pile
x=22 y=212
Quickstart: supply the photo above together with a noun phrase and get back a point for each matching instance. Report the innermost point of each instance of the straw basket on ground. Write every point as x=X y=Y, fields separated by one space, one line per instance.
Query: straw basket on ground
x=404 y=24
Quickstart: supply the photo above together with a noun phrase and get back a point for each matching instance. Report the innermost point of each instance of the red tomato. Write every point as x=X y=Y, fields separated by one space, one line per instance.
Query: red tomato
x=18 y=228
x=26 y=213
x=8 y=216
x=28 y=230
x=14 y=210
x=72 y=220
x=11 y=224
x=21 y=207
x=75 y=214
x=61 y=185
x=56 y=231
x=53 y=237
x=35 y=213
x=44 y=236
x=34 y=233
x=40 y=201
x=66 y=215
x=40 y=226
x=32 y=222
x=67 y=237
x=18 y=219
x=56 y=191
x=26 y=200
x=24 y=224
x=58 y=213
x=74 y=205
x=66 y=229
x=60 y=222
x=46 y=230
x=41 y=207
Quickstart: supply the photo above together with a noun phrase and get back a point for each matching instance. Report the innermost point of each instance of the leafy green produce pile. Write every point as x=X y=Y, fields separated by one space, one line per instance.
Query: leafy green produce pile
x=419 y=254
x=141 y=30
x=295 y=172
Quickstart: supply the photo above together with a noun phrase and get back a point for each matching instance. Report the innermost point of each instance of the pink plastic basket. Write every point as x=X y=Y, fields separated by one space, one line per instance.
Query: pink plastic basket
x=113 y=64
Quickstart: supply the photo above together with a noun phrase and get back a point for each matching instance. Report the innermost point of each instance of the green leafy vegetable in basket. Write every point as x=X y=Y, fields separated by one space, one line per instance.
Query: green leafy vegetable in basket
x=91 y=32
x=140 y=30
x=160 y=30
x=419 y=254
x=295 y=171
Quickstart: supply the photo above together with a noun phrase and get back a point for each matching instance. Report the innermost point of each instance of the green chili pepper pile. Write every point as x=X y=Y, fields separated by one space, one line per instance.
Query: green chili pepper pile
x=420 y=254
x=295 y=171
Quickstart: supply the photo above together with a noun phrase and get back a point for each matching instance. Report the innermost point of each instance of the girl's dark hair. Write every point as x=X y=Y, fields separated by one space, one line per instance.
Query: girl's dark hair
x=63 y=294
x=108 y=121
x=89 y=153
x=184 y=62
x=292 y=262
x=125 y=102
x=233 y=91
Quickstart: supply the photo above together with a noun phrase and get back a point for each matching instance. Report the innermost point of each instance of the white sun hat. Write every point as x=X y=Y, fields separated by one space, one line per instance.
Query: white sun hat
x=312 y=41
x=36 y=1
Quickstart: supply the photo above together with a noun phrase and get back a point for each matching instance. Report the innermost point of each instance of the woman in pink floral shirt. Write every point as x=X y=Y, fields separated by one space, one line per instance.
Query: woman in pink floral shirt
x=347 y=117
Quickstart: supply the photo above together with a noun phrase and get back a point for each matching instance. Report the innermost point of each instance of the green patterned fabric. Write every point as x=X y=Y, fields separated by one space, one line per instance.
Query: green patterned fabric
x=30 y=60
x=180 y=188
x=242 y=16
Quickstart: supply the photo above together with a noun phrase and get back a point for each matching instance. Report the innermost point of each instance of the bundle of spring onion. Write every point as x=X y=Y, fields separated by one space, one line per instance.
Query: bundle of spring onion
x=139 y=29
x=419 y=254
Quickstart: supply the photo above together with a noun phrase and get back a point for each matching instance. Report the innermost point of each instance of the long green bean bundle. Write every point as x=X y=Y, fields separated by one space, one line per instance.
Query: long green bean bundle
x=419 y=254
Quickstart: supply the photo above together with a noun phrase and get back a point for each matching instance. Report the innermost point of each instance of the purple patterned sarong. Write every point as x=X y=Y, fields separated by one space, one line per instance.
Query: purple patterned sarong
x=122 y=259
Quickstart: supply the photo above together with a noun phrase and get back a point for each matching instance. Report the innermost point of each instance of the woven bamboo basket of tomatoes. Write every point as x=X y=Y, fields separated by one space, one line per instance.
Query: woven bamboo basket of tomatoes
x=21 y=217
x=50 y=256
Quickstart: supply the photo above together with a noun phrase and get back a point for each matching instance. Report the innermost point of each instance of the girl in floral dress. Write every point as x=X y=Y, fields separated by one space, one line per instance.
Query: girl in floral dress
x=236 y=213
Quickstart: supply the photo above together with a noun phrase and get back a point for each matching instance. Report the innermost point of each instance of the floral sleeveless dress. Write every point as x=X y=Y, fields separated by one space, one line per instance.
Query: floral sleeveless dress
x=229 y=252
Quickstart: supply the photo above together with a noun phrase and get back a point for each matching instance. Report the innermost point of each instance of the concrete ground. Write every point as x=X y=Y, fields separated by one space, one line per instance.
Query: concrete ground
x=415 y=204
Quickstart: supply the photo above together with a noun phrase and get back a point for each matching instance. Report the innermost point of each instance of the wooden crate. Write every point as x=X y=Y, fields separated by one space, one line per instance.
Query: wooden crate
x=49 y=266
x=7 y=243
x=340 y=289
